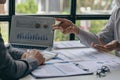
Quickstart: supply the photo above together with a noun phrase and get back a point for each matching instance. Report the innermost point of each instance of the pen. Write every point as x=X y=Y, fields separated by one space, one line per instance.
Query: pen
x=67 y=61
x=58 y=23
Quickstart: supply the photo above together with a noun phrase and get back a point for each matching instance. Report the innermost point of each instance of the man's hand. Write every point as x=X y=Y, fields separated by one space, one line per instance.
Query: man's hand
x=2 y=1
x=101 y=47
x=113 y=45
x=34 y=54
x=66 y=26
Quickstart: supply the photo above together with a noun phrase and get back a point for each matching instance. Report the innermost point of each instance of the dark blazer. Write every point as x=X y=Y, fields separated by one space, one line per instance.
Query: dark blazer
x=11 y=66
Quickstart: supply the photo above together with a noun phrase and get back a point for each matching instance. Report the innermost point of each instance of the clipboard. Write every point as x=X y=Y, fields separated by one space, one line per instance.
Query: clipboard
x=59 y=70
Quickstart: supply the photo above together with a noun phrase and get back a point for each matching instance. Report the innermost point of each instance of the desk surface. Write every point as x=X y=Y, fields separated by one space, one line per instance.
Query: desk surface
x=113 y=75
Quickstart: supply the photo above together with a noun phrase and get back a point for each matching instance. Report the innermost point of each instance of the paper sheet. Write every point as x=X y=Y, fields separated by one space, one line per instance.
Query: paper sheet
x=83 y=54
x=76 y=61
x=68 y=44
x=59 y=69
x=90 y=58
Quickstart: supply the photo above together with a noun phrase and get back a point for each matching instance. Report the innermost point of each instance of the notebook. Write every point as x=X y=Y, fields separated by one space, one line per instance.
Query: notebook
x=32 y=32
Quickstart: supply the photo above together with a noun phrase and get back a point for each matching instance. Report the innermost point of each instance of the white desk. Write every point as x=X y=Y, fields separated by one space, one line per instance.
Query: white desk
x=110 y=76
x=113 y=75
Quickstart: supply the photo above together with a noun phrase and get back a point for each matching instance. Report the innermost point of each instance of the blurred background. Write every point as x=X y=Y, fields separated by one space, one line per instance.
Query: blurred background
x=90 y=15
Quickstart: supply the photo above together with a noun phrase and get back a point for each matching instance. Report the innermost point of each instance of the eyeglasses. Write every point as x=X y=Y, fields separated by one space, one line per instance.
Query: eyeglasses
x=103 y=71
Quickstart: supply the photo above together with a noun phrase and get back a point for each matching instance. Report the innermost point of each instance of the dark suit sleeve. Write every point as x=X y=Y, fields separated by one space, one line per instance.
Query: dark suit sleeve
x=15 y=52
x=14 y=69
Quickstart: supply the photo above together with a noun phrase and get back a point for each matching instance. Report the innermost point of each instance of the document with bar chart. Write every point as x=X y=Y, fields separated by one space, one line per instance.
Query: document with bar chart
x=32 y=30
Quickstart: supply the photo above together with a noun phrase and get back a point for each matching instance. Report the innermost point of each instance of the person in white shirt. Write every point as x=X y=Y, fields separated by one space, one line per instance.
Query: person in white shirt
x=106 y=40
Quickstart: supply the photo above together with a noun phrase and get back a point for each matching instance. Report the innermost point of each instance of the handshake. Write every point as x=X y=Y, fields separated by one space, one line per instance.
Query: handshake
x=35 y=54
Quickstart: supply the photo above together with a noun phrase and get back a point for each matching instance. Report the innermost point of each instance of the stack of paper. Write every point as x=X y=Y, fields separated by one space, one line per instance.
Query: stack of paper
x=73 y=62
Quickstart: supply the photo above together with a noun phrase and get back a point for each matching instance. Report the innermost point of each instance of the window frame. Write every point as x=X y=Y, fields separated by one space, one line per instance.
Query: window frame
x=72 y=16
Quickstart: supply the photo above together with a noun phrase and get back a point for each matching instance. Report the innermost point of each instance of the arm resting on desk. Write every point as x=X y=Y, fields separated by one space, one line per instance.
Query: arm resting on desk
x=15 y=52
x=13 y=69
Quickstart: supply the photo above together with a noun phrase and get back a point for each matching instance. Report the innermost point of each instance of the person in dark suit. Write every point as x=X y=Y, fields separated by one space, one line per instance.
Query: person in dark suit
x=16 y=63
